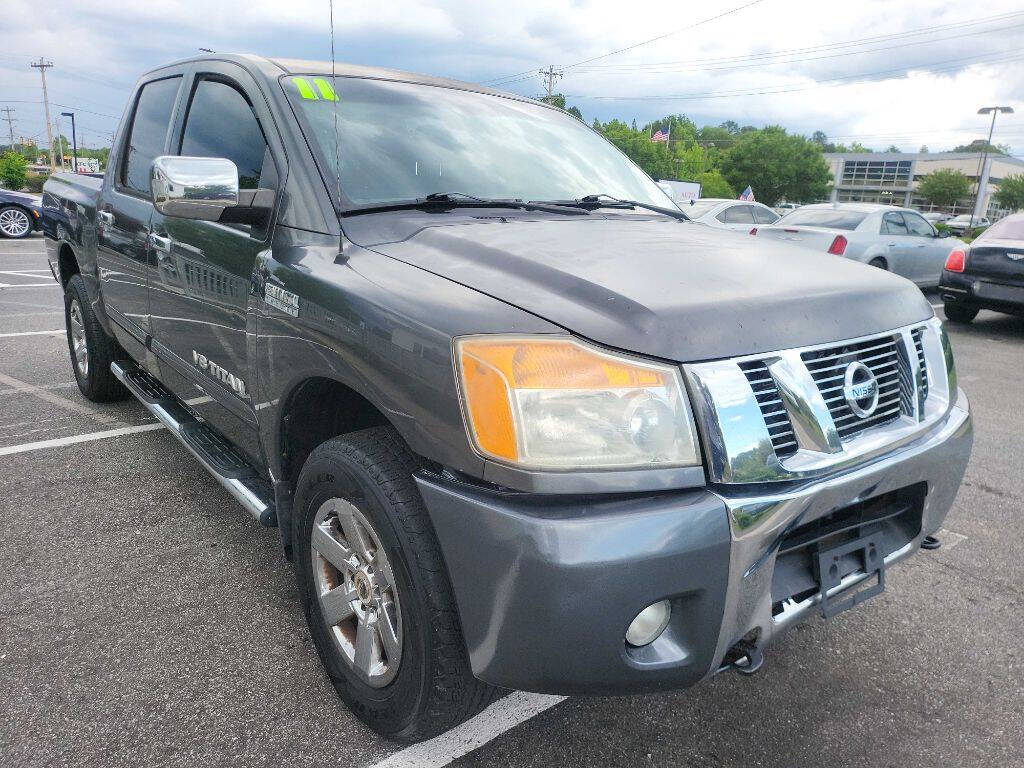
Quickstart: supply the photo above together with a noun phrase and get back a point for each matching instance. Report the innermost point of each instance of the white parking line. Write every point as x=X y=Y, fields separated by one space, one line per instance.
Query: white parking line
x=489 y=724
x=60 y=441
x=58 y=332
x=30 y=285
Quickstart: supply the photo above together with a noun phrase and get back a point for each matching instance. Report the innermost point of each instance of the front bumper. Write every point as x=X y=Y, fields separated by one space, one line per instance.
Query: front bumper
x=546 y=586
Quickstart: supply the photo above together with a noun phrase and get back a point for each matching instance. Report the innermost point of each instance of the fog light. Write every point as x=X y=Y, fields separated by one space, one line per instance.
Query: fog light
x=649 y=623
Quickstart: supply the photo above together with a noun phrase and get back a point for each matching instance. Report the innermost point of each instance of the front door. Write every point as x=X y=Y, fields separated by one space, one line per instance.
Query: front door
x=202 y=325
x=122 y=253
x=930 y=251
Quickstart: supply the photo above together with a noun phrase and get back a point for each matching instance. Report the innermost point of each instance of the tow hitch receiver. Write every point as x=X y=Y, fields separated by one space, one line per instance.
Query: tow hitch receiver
x=832 y=565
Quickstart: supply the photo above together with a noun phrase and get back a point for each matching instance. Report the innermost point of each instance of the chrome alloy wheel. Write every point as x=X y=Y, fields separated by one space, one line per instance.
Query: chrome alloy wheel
x=78 y=343
x=357 y=593
x=14 y=222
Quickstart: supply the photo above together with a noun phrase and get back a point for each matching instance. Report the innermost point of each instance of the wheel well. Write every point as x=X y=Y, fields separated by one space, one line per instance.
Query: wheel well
x=885 y=262
x=68 y=264
x=317 y=410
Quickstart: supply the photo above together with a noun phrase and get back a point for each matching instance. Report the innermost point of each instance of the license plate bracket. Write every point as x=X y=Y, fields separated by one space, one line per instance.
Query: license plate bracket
x=832 y=564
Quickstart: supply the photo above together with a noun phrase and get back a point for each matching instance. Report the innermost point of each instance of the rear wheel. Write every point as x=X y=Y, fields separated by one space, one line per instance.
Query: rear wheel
x=958 y=313
x=375 y=589
x=92 y=350
x=15 y=223
x=878 y=262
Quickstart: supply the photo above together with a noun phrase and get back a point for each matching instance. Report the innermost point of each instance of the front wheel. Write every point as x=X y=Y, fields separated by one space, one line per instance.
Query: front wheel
x=958 y=313
x=15 y=222
x=375 y=589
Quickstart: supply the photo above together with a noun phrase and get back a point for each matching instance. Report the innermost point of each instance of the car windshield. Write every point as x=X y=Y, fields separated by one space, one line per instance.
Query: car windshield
x=1005 y=229
x=833 y=218
x=699 y=208
x=404 y=141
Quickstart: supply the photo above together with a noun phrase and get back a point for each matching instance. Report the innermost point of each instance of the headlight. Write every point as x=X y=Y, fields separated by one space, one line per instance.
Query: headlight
x=554 y=403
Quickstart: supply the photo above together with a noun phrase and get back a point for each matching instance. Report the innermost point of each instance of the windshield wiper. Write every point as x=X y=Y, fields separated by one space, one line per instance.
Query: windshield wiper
x=591 y=202
x=442 y=200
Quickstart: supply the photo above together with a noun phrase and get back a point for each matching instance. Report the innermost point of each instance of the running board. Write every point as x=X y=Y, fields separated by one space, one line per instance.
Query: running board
x=215 y=452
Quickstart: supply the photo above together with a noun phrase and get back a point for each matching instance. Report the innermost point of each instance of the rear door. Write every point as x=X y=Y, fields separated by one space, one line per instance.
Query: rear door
x=203 y=330
x=898 y=244
x=123 y=254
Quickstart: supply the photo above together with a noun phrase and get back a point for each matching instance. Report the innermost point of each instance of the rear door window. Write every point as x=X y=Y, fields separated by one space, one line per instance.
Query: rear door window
x=148 y=134
x=736 y=214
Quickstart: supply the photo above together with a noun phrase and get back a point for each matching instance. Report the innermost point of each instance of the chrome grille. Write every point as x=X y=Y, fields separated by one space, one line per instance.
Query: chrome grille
x=828 y=366
x=920 y=368
x=774 y=412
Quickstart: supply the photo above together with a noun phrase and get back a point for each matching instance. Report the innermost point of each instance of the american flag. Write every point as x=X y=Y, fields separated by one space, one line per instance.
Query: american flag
x=660 y=135
x=748 y=194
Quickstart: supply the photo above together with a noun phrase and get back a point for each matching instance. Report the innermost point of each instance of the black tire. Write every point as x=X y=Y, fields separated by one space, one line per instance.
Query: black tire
x=94 y=378
x=958 y=313
x=21 y=216
x=878 y=262
x=433 y=689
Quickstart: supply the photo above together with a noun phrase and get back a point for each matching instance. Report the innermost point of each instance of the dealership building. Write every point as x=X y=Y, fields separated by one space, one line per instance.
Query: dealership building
x=892 y=178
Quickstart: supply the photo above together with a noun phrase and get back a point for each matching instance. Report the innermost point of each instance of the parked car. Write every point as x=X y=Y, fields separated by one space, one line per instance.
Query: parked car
x=729 y=214
x=960 y=224
x=936 y=216
x=19 y=214
x=783 y=208
x=895 y=239
x=987 y=274
x=514 y=433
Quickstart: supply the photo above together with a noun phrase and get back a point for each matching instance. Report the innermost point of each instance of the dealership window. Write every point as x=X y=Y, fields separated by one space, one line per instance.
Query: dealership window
x=876 y=173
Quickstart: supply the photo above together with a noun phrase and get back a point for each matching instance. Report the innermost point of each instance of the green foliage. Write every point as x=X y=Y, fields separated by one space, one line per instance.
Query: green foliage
x=713 y=184
x=13 y=170
x=1011 y=192
x=981 y=145
x=777 y=166
x=944 y=187
x=34 y=182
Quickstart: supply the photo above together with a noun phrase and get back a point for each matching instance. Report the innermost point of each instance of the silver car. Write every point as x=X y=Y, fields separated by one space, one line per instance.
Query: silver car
x=722 y=213
x=884 y=236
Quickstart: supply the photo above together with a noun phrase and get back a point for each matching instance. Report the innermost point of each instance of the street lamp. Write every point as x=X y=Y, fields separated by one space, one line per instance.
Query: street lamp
x=984 y=156
x=74 y=142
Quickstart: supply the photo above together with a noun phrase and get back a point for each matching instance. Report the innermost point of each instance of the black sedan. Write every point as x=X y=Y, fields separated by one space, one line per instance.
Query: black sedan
x=19 y=214
x=988 y=274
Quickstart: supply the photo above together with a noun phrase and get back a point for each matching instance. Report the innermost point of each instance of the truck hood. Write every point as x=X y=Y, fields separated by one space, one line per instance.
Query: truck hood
x=656 y=286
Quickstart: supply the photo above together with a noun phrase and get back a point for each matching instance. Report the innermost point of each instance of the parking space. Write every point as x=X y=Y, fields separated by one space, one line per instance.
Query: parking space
x=147 y=620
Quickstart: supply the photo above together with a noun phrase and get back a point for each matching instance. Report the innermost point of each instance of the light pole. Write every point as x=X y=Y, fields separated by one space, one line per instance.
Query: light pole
x=984 y=156
x=74 y=142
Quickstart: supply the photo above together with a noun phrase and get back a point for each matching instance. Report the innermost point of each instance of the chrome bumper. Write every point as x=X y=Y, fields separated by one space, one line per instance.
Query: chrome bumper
x=938 y=458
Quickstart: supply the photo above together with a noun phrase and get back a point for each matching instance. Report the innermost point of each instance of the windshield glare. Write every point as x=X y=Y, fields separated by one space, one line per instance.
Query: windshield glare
x=402 y=141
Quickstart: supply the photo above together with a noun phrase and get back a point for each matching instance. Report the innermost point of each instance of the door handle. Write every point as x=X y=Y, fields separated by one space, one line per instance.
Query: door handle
x=105 y=218
x=159 y=243
x=892 y=245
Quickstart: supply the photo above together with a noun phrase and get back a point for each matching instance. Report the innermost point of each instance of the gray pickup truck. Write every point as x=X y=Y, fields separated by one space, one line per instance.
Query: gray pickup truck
x=519 y=422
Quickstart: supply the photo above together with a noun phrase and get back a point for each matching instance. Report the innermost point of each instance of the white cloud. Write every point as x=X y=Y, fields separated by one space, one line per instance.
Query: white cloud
x=100 y=47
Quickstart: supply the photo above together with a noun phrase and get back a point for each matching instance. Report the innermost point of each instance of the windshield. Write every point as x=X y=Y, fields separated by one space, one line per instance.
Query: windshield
x=699 y=208
x=403 y=141
x=817 y=217
x=1010 y=228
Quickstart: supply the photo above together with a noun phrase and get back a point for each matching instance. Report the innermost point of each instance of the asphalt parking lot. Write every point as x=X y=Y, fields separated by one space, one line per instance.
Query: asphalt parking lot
x=147 y=620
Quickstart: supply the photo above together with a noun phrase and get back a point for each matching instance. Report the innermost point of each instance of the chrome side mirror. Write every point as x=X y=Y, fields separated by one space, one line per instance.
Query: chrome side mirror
x=193 y=187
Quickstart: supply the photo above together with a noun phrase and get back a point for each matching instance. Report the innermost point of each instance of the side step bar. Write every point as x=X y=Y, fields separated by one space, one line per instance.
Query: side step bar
x=220 y=458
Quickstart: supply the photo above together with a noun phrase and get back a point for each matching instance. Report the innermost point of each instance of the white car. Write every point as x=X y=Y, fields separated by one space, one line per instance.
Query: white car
x=729 y=214
x=884 y=236
x=959 y=224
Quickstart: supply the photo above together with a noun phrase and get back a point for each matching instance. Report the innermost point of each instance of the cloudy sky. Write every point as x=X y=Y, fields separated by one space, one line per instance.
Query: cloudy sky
x=904 y=72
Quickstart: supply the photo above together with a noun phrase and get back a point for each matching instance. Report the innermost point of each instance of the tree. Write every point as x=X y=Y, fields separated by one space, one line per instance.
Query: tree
x=819 y=138
x=980 y=145
x=777 y=166
x=1011 y=192
x=13 y=170
x=924 y=149
x=713 y=184
x=944 y=187
x=893 y=148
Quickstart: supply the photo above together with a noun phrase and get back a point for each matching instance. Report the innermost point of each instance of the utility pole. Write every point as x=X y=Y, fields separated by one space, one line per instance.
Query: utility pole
x=42 y=67
x=10 y=124
x=74 y=141
x=550 y=75
x=984 y=156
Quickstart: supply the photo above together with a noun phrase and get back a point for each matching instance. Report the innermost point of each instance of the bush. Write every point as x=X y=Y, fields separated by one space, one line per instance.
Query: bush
x=941 y=226
x=13 y=170
x=34 y=182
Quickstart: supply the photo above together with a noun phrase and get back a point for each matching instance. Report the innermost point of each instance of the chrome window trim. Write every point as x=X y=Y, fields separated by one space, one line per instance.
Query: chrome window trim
x=737 y=442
